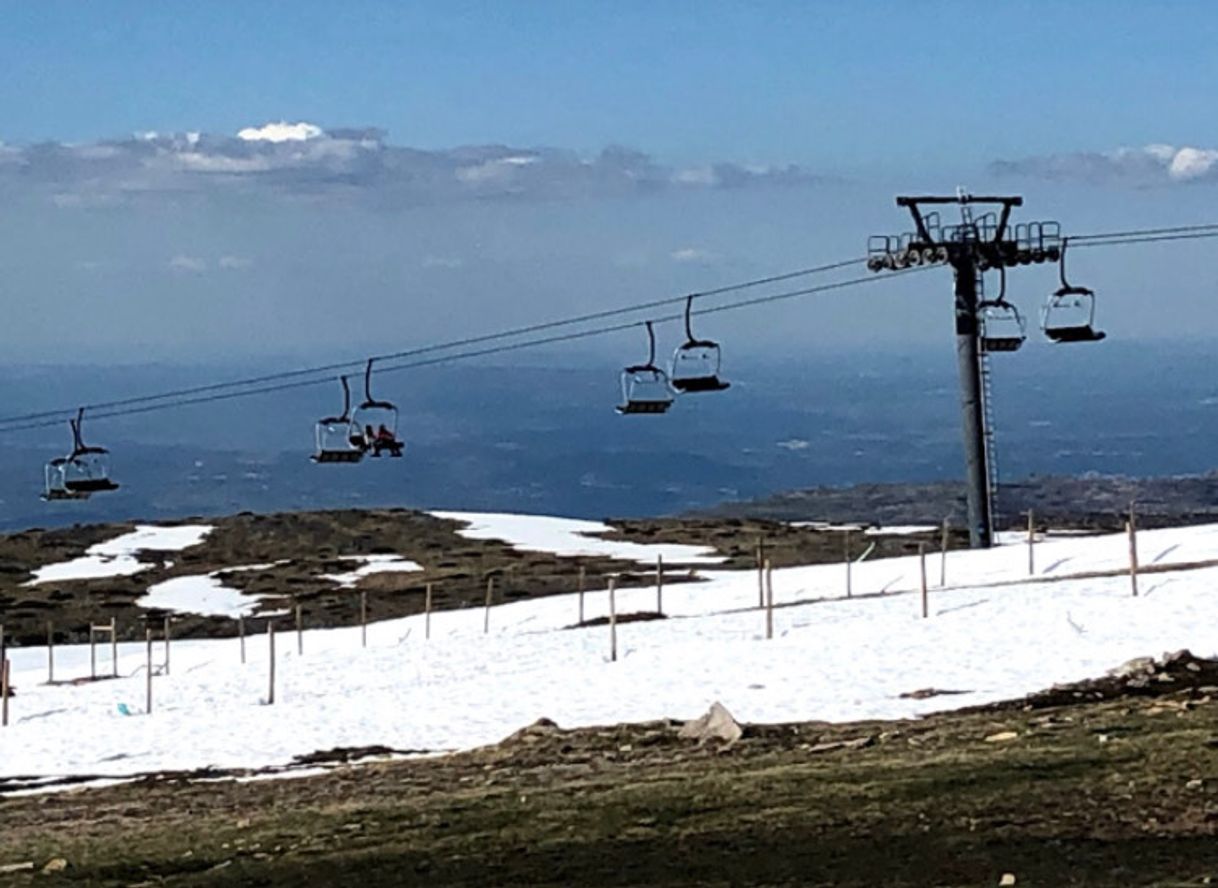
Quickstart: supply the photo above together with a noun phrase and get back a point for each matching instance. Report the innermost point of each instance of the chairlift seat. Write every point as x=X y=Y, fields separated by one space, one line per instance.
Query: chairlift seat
x=1085 y=333
x=1002 y=326
x=645 y=390
x=89 y=485
x=633 y=407
x=339 y=440
x=1069 y=316
x=338 y=456
x=690 y=385
x=695 y=367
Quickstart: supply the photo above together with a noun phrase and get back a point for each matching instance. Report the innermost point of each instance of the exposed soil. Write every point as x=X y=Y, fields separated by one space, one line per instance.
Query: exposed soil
x=303 y=547
x=1117 y=791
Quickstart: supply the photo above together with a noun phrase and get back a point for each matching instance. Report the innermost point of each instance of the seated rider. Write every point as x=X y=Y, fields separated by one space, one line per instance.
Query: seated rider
x=384 y=440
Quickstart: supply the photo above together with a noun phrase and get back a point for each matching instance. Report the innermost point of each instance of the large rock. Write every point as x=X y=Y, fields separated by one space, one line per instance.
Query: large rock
x=717 y=724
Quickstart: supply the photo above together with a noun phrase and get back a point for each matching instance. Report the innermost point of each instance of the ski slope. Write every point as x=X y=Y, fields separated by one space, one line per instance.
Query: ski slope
x=993 y=634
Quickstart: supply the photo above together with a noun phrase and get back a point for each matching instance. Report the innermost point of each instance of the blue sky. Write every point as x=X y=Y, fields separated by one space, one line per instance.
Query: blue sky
x=758 y=137
x=836 y=84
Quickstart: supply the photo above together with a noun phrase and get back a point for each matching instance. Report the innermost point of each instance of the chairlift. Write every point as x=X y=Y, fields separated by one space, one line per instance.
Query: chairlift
x=695 y=363
x=82 y=473
x=339 y=438
x=645 y=387
x=1002 y=326
x=378 y=421
x=1069 y=313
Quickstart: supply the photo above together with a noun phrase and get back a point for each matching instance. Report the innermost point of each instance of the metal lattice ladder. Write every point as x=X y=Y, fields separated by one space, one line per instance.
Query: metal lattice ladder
x=987 y=414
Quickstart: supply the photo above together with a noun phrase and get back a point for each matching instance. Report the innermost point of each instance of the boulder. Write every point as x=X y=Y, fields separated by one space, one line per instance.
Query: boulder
x=716 y=724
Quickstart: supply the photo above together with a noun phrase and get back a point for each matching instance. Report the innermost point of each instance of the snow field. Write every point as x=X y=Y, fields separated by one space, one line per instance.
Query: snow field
x=834 y=660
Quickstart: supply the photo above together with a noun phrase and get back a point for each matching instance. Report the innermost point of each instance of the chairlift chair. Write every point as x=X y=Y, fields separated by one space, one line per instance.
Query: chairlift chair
x=378 y=421
x=695 y=363
x=1069 y=313
x=1002 y=326
x=82 y=473
x=645 y=387
x=339 y=438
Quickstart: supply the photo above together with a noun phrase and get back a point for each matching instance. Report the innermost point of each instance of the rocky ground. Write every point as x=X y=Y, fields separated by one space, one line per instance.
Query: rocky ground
x=1107 y=783
x=303 y=547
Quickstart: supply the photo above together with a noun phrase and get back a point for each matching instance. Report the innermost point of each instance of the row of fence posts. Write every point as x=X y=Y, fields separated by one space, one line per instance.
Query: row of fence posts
x=765 y=592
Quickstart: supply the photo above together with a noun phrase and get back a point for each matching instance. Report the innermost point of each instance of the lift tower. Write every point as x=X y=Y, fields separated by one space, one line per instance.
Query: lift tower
x=975 y=245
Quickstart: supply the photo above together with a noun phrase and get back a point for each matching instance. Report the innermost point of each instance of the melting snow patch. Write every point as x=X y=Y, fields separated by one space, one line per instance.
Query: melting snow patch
x=372 y=564
x=901 y=530
x=838 y=659
x=116 y=557
x=570 y=537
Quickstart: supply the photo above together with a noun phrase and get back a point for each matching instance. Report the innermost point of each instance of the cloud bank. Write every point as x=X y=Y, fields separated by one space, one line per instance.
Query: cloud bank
x=1149 y=165
x=303 y=160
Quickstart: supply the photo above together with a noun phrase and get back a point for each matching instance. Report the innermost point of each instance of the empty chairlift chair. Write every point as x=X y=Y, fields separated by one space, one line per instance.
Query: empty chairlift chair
x=645 y=387
x=340 y=439
x=1069 y=314
x=696 y=362
x=1002 y=326
x=378 y=421
x=82 y=473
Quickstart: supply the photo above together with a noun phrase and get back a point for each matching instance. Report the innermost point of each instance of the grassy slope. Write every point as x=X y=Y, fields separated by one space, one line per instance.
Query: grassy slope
x=1122 y=792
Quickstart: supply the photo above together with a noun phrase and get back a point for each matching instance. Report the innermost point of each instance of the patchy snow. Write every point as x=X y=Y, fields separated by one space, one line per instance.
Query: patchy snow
x=116 y=557
x=902 y=529
x=372 y=564
x=205 y=595
x=569 y=538
x=993 y=632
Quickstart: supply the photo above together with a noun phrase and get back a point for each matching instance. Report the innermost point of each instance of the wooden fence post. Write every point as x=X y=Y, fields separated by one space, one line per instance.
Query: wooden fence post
x=114 y=647
x=363 y=617
x=241 y=634
x=50 y=652
x=943 y=553
x=582 y=580
x=486 y=614
x=849 y=564
x=922 y=565
x=4 y=679
x=1132 y=528
x=427 y=612
x=299 y=632
x=270 y=639
x=613 y=619
x=760 y=572
x=148 y=672
x=167 y=645
x=660 y=584
x=1031 y=543
x=769 y=600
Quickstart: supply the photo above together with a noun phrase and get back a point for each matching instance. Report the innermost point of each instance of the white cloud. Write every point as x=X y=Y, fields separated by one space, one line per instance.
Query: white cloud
x=1148 y=165
x=703 y=176
x=281 y=132
x=191 y=264
x=1192 y=163
x=301 y=160
x=692 y=254
x=235 y=262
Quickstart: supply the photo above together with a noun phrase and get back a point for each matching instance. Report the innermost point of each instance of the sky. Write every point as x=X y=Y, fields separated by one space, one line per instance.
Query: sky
x=215 y=181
